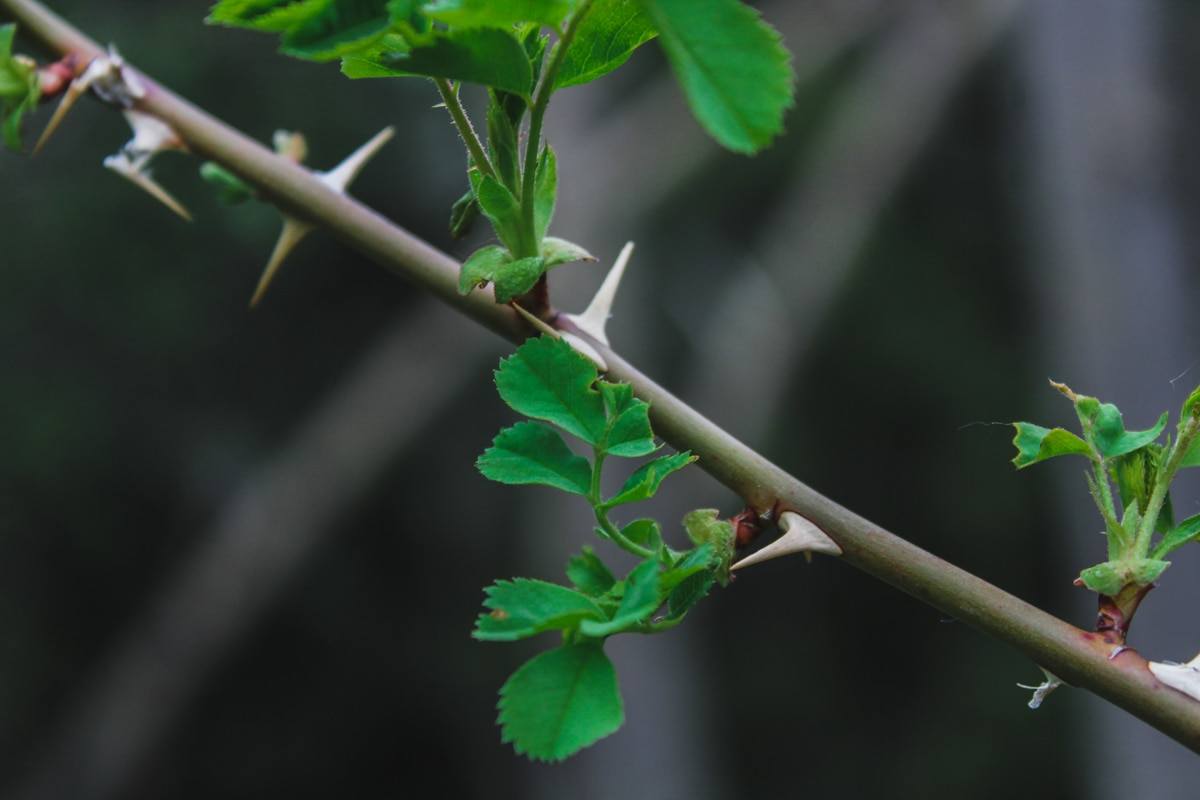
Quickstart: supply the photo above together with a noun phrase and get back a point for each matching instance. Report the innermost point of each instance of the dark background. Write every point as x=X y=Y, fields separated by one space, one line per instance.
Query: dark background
x=241 y=552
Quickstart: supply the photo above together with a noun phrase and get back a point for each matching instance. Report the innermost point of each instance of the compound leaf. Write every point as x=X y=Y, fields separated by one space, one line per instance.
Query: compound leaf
x=529 y=453
x=733 y=68
x=560 y=702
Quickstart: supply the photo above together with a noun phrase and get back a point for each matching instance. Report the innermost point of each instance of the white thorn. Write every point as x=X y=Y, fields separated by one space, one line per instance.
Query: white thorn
x=594 y=319
x=1043 y=689
x=1184 y=677
x=292 y=234
x=799 y=536
x=71 y=96
x=134 y=171
x=340 y=177
x=151 y=135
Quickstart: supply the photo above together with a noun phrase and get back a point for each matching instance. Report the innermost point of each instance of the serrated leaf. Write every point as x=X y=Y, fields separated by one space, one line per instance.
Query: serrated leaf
x=1036 y=444
x=630 y=435
x=560 y=702
x=481 y=267
x=529 y=453
x=502 y=210
x=544 y=192
x=518 y=277
x=643 y=484
x=589 y=574
x=1110 y=437
x=489 y=13
x=1186 y=532
x=617 y=397
x=339 y=28
x=698 y=559
x=691 y=590
x=525 y=607
x=604 y=40
x=1111 y=577
x=732 y=65
x=487 y=56
x=559 y=251
x=368 y=62
x=547 y=380
x=463 y=214
x=644 y=533
x=704 y=526
x=642 y=596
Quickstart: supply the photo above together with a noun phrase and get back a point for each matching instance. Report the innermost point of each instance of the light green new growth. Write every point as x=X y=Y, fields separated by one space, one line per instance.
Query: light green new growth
x=1143 y=471
x=20 y=88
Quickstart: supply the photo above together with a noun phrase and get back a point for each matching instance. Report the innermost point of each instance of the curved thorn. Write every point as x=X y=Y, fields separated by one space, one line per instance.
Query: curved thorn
x=594 y=319
x=129 y=170
x=341 y=176
x=292 y=234
x=799 y=536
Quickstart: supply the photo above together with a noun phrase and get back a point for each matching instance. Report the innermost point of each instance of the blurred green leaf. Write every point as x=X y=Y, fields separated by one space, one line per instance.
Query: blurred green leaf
x=20 y=88
x=231 y=190
x=486 y=56
x=644 y=533
x=704 y=526
x=529 y=453
x=341 y=28
x=732 y=65
x=493 y=14
x=560 y=702
x=463 y=214
x=589 y=574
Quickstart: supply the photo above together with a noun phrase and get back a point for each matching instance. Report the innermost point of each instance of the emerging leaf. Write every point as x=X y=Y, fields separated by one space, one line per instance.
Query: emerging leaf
x=545 y=191
x=643 y=484
x=691 y=590
x=463 y=214
x=524 y=607
x=644 y=533
x=732 y=66
x=492 y=14
x=1186 y=532
x=560 y=251
x=604 y=40
x=1035 y=444
x=502 y=144
x=642 y=596
x=502 y=210
x=518 y=277
x=1135 y=474
x=589 y=574
x=482 y=267
x=560 y=702
x=529 y=453
x=547 y=380
x=699 y=559
x=1111 y=577
x=704 y=526
x=1112 y=440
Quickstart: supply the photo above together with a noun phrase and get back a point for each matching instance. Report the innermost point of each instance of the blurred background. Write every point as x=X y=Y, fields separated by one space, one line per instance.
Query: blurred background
x=241 y=552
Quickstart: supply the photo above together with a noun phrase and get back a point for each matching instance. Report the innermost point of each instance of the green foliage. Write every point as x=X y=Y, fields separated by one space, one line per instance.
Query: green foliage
x=732 y=66
x=606 y=39
x=560 y=702
x=547 y=380
x=231 y=190
x=20 y=88
x=492 y=14
x=1142 y=469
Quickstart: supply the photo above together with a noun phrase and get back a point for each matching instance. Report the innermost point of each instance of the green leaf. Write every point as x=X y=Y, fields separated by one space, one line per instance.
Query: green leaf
x=560 y=251
x=547 y=380
x=589 y=574
x=544 y=192
x=691 y=590
x=733 y=68
x=518 y=277
x=340 y=28
x=525 y=607
x=704 y=526
x=643 y=484
x=529 y=453
x=1185 y=532
x=644 y=533
x=560 y=702
x=268 y=16
x=20 y=88
x=1136 y=474
x=1191 y=408
x=604 y=40
x=630 y=435
x=1111 y=577
x=486 y=56
x=489 y=13
x=1112 y=440
x=642 y=596
x=1035 y=443
x=369 y=61
x=617 y=397
x=699 y=559
x=231 y=190
x=502 y=144
x=463 y=214
x=481 y=267
x=502 y=210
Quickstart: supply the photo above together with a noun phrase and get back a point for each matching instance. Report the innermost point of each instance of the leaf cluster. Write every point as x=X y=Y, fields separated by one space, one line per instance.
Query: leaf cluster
x=20 y=88
x=567 y=698
x=1141 y=467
